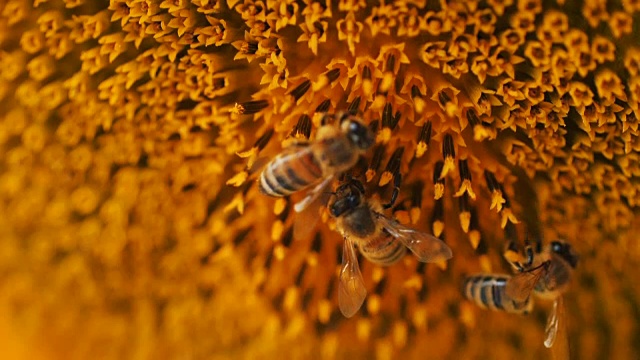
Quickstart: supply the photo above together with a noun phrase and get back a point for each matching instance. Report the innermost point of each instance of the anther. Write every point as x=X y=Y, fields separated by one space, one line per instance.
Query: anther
x=300 y=90
x=250 y=107
x=438 y=181
x=424 y=138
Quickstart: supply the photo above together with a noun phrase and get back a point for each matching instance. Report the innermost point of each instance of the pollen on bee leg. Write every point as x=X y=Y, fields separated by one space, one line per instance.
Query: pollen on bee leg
x=512 y=256
x=424 y=138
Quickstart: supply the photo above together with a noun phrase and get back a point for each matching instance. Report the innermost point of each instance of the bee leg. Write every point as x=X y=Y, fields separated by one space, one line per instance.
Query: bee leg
x=528 y=252
x=397 y=180
x=511 y=251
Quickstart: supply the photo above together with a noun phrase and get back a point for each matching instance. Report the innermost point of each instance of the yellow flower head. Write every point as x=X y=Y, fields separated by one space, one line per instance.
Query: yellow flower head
x=131 y=135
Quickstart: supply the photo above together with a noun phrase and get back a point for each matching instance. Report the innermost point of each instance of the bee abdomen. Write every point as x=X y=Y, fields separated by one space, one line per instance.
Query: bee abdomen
x=287 y=174
x=486 y=291
x=489 y=291
x=385 y=250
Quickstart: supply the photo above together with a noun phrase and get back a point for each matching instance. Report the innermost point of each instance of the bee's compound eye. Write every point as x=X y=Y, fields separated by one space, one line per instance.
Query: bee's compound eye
x=361 y=135
x=557 y=247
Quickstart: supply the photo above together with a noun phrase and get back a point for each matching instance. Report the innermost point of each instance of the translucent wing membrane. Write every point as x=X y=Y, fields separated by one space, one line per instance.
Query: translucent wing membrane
x=307 y=219
x=520 y=286
x=312 y=195
x=427 y=248
x=551 y=330
x=351 y=290
x=556 y=336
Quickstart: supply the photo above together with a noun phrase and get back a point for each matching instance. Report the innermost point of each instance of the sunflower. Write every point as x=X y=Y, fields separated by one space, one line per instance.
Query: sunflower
x=130 y=134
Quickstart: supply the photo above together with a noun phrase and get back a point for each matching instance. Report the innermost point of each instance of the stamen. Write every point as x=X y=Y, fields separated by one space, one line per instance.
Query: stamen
x=497 y=198
x=449 y=154
x=250 y=107
x=376 y=159
x=465 y=214
x=474 y=229
x=465 y=176
x=438 y=181
x=263 y=140
x=424 y=139
x=416 y=201
x=354 y=106
x=324 y=106
x=300 y=90
x=418 y=101
x=437 y=218
x=393 y=166
x=303 y=127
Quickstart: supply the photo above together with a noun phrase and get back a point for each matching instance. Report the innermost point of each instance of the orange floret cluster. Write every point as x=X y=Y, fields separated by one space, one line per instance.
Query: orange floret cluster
x=131 y=135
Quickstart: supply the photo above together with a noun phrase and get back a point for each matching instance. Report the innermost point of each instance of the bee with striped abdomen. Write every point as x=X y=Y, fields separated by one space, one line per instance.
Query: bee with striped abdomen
x=546 y=274
x=380 y=240
x=336 y=148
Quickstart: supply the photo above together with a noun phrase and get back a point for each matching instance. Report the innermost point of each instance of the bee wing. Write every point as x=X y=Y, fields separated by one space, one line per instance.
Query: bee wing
x=551 y=330
x=556 y=336
x=520 y=286
x=312 y=195
x=427 y=248
x=351 y=290
x=306 y=221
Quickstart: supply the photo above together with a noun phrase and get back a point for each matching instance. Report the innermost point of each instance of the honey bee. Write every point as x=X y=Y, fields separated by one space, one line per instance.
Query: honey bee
x=336 y=148
x=380 y=239
x=546 y=274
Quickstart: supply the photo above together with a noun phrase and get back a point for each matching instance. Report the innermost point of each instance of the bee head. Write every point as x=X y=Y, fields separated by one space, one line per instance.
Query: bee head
x=359 y=134
x=348 y=197
x=565 y=251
